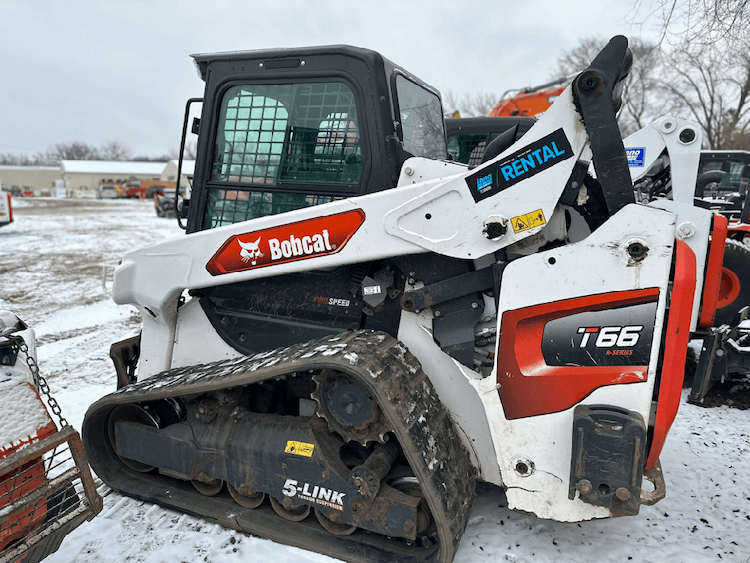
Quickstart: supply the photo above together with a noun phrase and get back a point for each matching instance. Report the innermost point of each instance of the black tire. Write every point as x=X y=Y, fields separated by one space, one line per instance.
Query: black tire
x=734 y=292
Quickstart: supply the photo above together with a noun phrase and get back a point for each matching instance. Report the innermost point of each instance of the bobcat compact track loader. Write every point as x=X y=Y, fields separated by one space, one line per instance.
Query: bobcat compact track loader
x=357 y=329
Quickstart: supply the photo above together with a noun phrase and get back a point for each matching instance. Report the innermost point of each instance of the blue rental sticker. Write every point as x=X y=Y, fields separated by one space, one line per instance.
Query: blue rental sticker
x=532 y=159
x=636 y=157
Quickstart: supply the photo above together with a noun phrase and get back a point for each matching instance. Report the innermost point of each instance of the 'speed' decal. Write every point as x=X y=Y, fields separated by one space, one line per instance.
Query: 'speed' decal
x=525 y=163
x=286 y=243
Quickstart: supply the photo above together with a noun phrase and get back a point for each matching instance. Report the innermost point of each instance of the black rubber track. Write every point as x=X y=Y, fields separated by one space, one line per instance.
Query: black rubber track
x=393 y=377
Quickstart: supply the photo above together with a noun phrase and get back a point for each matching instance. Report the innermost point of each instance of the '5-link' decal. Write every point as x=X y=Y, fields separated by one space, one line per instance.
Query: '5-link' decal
x=314 y=493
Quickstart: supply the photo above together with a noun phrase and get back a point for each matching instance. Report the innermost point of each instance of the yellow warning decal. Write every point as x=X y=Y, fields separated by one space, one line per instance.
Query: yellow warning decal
x=299 y=448
x=528 y=221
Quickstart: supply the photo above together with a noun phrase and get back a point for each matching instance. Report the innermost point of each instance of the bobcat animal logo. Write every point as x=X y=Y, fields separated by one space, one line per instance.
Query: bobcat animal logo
x=250 y=251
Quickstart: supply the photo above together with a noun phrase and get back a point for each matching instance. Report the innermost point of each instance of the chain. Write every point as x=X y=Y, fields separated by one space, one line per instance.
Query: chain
x=20 y=344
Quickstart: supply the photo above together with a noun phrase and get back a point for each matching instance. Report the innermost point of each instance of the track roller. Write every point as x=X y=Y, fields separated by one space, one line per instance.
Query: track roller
x=210 y=488
x=295 y=514
x=336 y=528
x=253 y=500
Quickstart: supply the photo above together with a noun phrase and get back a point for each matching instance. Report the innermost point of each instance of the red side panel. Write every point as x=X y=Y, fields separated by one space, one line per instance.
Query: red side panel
x=675 y=349
x=528 y=386
x=713 y=271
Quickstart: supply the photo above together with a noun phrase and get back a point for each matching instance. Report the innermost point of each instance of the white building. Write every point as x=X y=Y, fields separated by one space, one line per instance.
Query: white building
x=29 y=180
x=170 y=171
x=82 y=177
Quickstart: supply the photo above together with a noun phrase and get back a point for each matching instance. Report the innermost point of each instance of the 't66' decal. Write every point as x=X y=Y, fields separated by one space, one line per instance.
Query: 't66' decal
x=611 y=336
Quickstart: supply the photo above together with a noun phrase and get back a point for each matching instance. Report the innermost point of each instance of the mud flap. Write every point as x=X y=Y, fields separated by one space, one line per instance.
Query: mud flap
x=125 y=356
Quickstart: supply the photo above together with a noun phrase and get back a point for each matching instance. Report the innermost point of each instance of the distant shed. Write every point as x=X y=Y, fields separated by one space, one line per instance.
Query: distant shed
x=170 y=171
x=82 y=177
x=36 y=180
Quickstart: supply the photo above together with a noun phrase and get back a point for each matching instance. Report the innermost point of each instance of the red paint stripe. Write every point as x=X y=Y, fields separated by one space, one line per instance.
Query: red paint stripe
x=675 y=349
x=712 y=278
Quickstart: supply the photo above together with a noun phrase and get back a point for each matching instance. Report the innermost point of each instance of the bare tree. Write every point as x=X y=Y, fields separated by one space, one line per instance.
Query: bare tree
x=714 y=90
x=579 y=57
x=75 y=150
x=24 y=160
x=704 y=22
x=191 y=150
x=113 y=150
x=471 y=105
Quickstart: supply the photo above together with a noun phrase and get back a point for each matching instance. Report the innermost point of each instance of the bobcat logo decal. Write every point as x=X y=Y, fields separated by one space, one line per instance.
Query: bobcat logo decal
x=250 y=251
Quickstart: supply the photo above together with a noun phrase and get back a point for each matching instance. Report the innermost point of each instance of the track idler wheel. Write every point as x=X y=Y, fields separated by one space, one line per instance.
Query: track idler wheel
x=336 y=528
x=410 y=486
x=348 y=408
x=253 y=500
x=295 y=514
x=130 y=413
x=156 y=414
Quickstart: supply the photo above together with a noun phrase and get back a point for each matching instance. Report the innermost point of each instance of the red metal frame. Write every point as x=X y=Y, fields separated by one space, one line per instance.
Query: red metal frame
x=675 y=349
x=22 y=481
x=713 y=272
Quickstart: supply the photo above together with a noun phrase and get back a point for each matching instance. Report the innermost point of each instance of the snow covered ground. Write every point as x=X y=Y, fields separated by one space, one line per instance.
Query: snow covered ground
x=50 y=275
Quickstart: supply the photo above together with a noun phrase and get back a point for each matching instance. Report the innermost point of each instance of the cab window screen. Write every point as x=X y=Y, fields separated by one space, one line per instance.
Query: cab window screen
x=288 y=133
x=275 y=138
x=467 y=149
x=421 y=120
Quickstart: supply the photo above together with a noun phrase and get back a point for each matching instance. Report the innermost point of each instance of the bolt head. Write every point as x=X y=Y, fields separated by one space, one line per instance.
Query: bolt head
x=584 y=486
x=623 y=494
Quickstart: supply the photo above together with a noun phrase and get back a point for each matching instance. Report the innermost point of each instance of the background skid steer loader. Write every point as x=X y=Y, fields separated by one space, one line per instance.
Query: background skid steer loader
x=666 y=167
x=353 y=331
x=46 y=489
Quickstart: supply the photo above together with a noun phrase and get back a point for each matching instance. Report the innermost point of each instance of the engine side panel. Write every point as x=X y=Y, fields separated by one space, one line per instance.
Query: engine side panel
x=531 y=424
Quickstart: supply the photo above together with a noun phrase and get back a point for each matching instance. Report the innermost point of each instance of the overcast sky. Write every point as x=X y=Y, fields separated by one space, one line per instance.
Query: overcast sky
x=120 y=70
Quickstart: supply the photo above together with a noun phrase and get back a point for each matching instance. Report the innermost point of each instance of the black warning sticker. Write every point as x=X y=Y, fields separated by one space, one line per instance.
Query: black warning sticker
x=532 y=159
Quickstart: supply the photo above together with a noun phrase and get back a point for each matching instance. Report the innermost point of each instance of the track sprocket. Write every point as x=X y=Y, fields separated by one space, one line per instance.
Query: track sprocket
x=348 y=408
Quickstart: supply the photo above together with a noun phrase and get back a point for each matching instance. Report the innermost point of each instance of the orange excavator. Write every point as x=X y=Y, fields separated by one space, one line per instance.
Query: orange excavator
x=531 y=101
